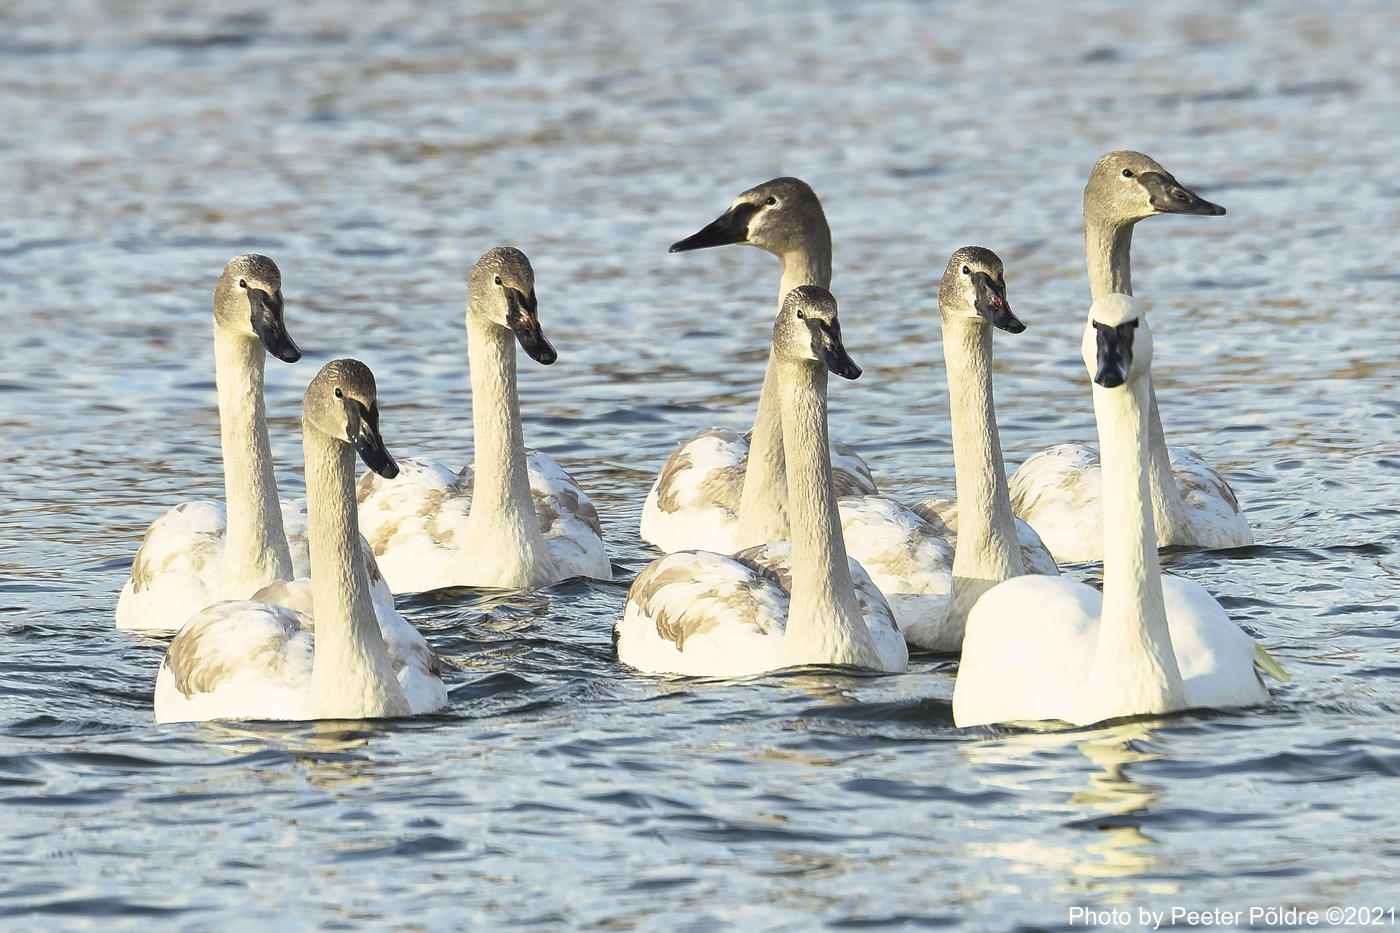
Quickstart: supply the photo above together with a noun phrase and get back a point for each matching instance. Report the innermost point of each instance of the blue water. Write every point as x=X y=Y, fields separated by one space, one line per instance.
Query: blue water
x=375 y=150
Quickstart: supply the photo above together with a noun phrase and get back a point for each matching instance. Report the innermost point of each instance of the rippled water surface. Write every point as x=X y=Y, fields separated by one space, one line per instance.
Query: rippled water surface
x=376 y=149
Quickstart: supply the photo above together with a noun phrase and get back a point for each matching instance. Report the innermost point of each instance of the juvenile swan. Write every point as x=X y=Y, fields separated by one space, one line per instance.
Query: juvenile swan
x=721 y=490
x=910 y=552
x=524 y=522
x=247 y=659
x=201 y=551
x=773 y=606
x=1058 y=489
x=1042 y=648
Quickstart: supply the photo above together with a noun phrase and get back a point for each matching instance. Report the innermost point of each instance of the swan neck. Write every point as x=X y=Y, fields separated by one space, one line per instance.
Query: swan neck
x=825 y=624
x=351 y=674
x=1108 y=246
x=763 y=504
x=255 y=545
x=809 y=265
x=503 y=508
x=1134 y=668
x=988 y=550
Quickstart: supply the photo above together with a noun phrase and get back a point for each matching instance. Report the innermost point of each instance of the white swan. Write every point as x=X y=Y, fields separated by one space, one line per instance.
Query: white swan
x=1041 y=648
x=247 y=659
x=201 y=552
x=778 y=605
x=934 y=560
x=722 y=490
x=1058 y=489
x=514 y=518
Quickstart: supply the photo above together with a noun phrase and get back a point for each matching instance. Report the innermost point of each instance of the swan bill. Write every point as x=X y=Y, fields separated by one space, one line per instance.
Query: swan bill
x=992 y=305
x=368 y=441
x=525 y=324
x=827 y=346
x=730 y=227
x=268 y=325
x=1115 y=353
x=1169 y=196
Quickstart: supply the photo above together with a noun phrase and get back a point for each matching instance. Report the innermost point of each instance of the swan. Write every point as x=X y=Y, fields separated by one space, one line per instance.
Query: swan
x=1043 y=648
x=781 y=604
x=249 y=659
x=513 y=519
x=200 y=552
x=722 y=490
x=1057 y=489
x=934 y=560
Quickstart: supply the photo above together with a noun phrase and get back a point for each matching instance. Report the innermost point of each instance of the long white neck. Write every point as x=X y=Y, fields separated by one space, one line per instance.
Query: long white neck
x=504 y=547
x=763 y=505
x=255 y=544
x=1134 y=670
x=825 y=624
x=988 y=550
x=351 y=676
x=1108 y=246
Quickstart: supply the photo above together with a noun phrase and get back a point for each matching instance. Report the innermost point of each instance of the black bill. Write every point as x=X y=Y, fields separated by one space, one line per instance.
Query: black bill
x=268 y=325
x=992 y=305
x=525 y=324
x=1169 y=196
x=1115 y=353
x=730 y=227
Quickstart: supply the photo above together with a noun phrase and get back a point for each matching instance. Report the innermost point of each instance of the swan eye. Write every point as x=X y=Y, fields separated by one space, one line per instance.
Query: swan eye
x=800 y=315
x=1127 y=173
x=338 y=393
x=498 y=280
x=771 y=201
x=243 y=284
x=966 y=271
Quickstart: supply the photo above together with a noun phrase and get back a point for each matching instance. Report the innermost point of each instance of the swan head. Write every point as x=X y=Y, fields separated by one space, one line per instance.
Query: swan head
x=1128 y=186
x=248 y=302
x=341 y=403
x=974 y=287
x=501 y=289
x=1117 y=344
x=779 y=216
x=807 y=330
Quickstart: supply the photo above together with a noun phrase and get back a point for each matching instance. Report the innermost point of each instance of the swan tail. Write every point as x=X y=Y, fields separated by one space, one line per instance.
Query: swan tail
x=1269 y=664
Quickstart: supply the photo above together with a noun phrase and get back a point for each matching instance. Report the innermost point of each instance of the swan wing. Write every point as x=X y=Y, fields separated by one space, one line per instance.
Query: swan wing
x=568 y=520
x=775 y=560
x=1215 y=656
x=705 y=614
x=1057 y=492
x=694 y=501
x=849 y=473
x=412 y=522
x=910 y=562
x=176 y=570
x=1027 y=651
x=237 y=659
x=1214 y=513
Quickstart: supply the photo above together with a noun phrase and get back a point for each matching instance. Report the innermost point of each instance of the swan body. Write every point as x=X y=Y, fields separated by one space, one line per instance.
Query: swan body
x=1060 y=487
x=1057 y=490
x=782 y=604
x=514 y=518
x=721 y=490
x=931 y=575
x=1047 y=648
x=255 y=659
x=200 y=552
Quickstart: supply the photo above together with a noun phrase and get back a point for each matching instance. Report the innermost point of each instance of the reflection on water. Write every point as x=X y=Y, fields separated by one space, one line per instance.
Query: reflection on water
x=376 y=150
